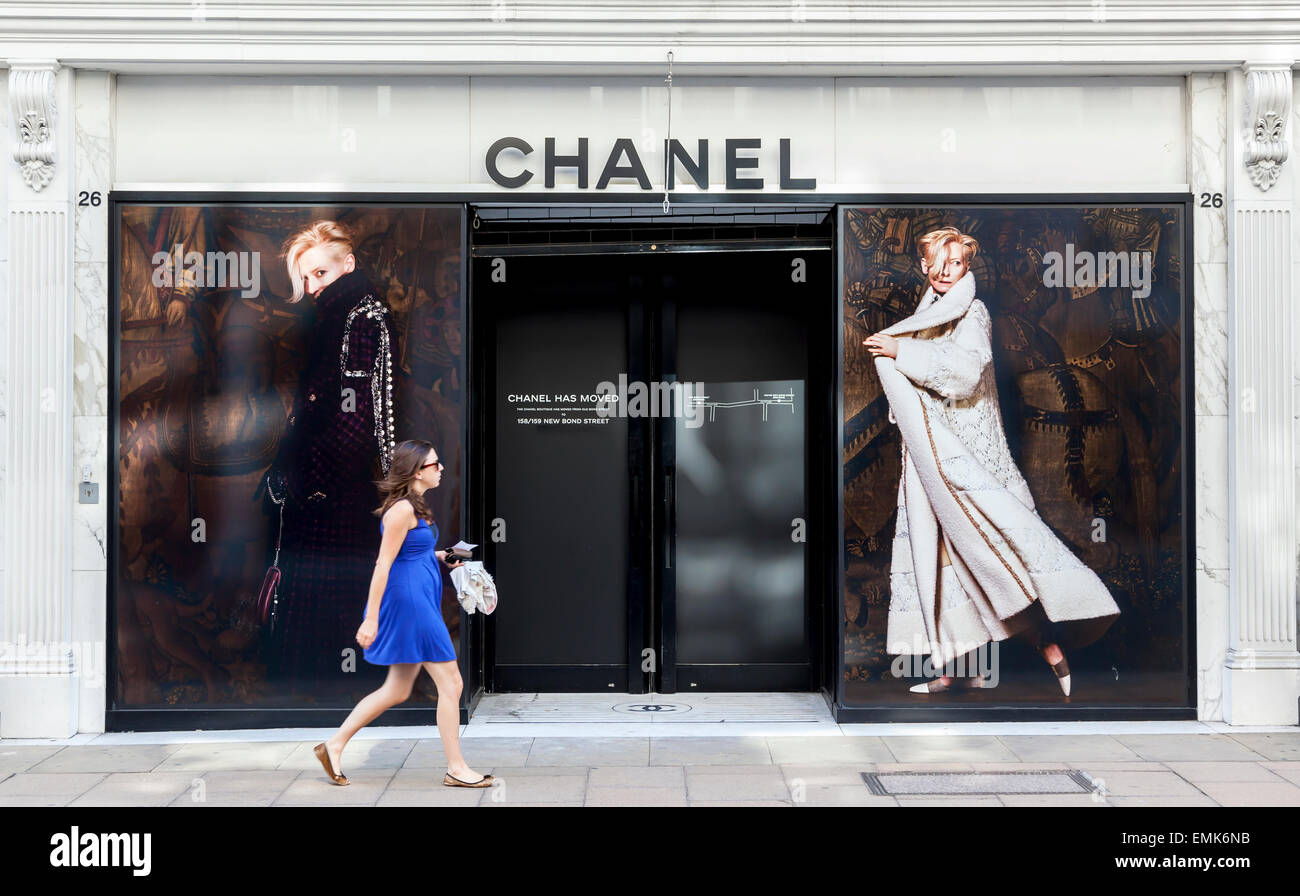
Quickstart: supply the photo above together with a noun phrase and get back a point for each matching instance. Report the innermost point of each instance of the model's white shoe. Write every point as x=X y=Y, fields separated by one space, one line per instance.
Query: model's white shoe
x=938 y=687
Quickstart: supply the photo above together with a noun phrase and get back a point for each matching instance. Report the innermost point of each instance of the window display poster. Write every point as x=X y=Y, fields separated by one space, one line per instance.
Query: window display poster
x=232 y=376
x=1015 y=434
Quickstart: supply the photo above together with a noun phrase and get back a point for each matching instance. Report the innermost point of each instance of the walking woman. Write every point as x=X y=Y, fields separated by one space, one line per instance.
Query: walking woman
x=972 y=560
x=403 y=627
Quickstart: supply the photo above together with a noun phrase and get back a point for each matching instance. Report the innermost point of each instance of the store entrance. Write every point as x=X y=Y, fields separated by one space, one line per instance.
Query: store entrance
x=649 y=420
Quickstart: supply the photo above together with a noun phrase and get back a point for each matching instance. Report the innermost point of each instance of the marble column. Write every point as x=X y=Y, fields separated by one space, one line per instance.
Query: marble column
x=1207 y=173
x=90 y=391
x=1261 y=682
x=38 y=692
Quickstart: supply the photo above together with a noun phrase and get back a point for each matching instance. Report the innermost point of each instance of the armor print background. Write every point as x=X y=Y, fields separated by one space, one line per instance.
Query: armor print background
x=1090 y=382
x=212 y=364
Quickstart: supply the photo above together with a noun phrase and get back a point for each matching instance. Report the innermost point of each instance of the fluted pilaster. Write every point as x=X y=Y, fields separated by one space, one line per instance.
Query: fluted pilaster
x=1262 y=669
x=37 y=697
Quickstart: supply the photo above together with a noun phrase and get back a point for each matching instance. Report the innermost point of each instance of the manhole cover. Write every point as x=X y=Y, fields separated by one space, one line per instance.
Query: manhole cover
x=952 y=783
x=651 y=708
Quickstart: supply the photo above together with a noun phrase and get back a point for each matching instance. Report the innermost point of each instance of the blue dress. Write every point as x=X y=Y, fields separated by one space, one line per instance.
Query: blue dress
x=411 y=629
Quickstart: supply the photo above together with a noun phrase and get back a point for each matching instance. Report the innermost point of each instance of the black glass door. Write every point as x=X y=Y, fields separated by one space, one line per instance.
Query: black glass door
x=648 y=447
x=734 y=578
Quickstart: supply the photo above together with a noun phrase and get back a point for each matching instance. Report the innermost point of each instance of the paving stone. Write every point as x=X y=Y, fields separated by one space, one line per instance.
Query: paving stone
x=770 y=785
x=532 y=771
x=137 y=789
x=1175 y=801
x=633 y=776
x=937 y=748
x=244 y=800
x=739 y=804
x=1139 y=766
x=1021 y=766
x=1031 y=748
x=589 y=751
x=19 y=759
x=107 y=759
x=737 y=769
x=228 y=757
x=1144 y=784
x=923 y=767
x=443 y=796
x=1198 y=772
x=948 y=802
x=826 y=775
x=1050 y=799
x=1277 y=747
x=1288 y=770
x=542 y=789
x=223 y=785
x=1188 y=748
x=835 y=795
x=1252 y=793
x=505 y=805
x=33 y=801
x=828 y=750
x=70 y=784
x=709 y=751
x=365 y=788
x=636 y=796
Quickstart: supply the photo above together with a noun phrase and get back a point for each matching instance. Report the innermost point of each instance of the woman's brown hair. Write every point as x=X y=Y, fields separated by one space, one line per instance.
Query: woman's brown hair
x=408 y=458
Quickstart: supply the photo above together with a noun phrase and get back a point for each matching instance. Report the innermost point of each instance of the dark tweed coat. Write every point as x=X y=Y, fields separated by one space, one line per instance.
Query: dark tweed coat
x=337 y=442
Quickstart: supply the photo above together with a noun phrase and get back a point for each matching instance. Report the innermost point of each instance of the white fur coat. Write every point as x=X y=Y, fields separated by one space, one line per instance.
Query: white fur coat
x=960 y=486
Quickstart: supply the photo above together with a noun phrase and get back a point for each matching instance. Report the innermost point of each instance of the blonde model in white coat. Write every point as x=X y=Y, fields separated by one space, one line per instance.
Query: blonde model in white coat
x=972 y=560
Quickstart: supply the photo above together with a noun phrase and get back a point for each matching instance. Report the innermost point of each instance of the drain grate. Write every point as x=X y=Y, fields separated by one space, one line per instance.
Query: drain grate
x=962 y=783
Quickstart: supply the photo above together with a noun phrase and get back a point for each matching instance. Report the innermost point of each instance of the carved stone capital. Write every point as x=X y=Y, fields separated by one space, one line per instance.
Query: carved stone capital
x=1268 y=103
x=31 y=101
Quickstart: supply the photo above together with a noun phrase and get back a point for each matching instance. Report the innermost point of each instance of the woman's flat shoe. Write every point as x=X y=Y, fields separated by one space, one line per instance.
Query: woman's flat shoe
x=449 y=780
x=323 y=755
x=1061 y=670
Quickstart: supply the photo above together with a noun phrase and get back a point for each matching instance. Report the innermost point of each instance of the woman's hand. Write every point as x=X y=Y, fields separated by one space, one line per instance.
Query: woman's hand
x=366 y=634
x=880 y=344
x=442 y=555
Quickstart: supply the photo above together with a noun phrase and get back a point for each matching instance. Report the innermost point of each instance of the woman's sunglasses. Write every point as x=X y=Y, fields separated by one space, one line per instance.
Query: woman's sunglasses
x=436 y=463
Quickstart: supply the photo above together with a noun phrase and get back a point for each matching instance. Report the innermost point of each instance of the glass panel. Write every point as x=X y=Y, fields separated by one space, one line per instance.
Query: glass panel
x=223 y=377
x=740 y=484
x=1057 y=387
x=562 y=480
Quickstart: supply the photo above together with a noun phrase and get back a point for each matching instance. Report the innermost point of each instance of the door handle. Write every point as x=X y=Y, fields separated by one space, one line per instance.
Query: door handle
x=670 y=517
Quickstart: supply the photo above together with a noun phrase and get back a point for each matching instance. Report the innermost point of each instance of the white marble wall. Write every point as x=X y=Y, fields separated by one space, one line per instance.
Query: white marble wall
x=94 y=91
x=1207 y=173
x=6 y=140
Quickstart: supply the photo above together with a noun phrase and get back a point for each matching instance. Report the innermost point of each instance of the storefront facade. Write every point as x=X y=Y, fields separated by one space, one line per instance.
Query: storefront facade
x=509 y=207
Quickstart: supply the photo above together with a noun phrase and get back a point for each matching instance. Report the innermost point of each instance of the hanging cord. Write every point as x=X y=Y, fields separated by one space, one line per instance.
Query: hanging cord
x=669 y=141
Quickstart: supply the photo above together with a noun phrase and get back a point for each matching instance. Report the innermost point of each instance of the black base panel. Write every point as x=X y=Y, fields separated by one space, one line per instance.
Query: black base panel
x=850 y=714
x=235 y=719
x=563 y=680
x=749 y=678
